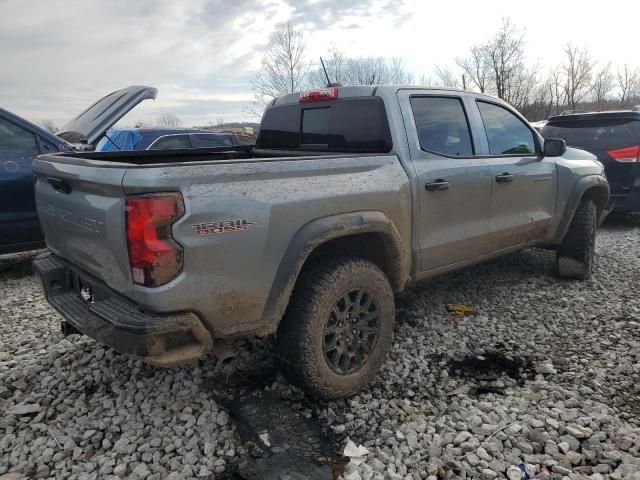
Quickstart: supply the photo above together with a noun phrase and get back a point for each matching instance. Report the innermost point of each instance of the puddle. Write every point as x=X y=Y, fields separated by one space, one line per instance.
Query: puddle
x=489 y=369
x=283 y=443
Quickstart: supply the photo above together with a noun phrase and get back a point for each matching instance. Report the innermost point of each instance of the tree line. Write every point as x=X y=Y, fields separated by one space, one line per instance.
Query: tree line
x=498 y=66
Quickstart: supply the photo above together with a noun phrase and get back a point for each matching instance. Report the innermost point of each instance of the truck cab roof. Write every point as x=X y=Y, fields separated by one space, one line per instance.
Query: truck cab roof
x=380 y=90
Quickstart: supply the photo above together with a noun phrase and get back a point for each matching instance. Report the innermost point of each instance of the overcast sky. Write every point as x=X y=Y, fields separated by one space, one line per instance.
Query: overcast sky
x=57 y=57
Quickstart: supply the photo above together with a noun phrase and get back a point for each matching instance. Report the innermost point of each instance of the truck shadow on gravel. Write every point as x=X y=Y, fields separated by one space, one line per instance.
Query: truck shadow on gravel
x=615 y=221
x=17 y=265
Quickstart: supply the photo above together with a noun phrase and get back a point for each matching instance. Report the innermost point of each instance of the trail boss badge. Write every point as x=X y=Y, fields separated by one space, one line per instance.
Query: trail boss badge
x=214 y=228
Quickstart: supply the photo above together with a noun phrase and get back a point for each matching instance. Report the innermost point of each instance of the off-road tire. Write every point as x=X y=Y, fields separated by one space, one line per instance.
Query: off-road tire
x=574 y=257
x=301 y=335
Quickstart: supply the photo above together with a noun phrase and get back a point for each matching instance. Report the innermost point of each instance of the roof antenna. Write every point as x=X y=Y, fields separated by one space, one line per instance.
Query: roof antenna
x=329 y=84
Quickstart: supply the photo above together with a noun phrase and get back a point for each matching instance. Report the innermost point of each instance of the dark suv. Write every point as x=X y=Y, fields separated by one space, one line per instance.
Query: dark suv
x=614 y=137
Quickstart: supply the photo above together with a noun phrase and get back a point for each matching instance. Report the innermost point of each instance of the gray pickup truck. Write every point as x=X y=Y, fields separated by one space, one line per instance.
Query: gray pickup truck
x=349 y=195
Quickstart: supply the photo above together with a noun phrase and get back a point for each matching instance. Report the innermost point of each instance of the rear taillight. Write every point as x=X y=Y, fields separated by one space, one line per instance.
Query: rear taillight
x=627 y=154
x=154 y=256
x=320 y=95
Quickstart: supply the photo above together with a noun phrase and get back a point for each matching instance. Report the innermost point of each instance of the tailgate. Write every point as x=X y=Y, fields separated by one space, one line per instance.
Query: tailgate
x=81 y=208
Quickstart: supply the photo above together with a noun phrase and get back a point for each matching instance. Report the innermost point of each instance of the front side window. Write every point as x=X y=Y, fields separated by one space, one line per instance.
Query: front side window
x=171 y=142
x=18 y=148
x=506 y=133
x=442 y=125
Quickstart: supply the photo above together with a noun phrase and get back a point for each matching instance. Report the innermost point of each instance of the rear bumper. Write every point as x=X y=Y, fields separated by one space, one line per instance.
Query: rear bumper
x=629 y=202
x=163 y=340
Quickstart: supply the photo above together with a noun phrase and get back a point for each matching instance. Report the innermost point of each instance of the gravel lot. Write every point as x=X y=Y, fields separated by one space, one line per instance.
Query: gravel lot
x=547 y=372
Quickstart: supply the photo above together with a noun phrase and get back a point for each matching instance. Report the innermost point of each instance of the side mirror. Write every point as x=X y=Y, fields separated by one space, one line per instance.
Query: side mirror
x=554 y=147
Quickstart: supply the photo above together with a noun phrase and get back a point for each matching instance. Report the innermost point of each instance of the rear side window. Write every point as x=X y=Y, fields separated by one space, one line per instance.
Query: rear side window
x=506 y=133
x=170 y=142
x=344 y=125
x=442 y=125
x=596 y=134
x=212 y=140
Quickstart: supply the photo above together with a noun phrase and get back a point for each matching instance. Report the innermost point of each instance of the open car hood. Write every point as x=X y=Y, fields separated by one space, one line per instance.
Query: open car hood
x=92 y=124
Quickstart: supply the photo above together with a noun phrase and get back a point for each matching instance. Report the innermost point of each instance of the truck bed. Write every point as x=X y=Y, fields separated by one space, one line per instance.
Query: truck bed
x=229 y=280
x=191 y=155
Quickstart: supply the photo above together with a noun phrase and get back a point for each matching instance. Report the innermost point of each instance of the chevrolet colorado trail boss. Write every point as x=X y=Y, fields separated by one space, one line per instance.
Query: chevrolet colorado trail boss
x=350 y=195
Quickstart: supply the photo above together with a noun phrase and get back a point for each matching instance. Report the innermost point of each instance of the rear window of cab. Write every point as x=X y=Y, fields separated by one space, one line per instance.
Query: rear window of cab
x=598 y=134
x=343 y=125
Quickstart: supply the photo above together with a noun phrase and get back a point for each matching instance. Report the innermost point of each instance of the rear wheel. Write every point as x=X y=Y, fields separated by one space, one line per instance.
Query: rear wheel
x=338 y=328
x=576 y=252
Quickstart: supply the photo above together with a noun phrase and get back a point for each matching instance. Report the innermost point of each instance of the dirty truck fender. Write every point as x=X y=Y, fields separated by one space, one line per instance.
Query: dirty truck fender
x=595 y=187
x=396 y=261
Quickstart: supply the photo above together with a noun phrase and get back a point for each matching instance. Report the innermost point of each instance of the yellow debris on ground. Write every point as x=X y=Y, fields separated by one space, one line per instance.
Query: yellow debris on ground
x=460 y=310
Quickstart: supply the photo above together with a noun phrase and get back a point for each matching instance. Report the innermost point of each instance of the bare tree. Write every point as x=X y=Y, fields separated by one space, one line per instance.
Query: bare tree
x=476 y=68
x=628 y=84
x=521 y=87
x=426 y=80
x=498 y=66
x=361 y=70
x=602 y=85
x=168 y=120
x=335 y=63
x=284 y=68
x=556 y=90
x=398 y=72
x=367 y=71
x=49 y=126
x=446 y=78
x=143 y=124
x=577 y=71
x=539 y=105
x=504 y=54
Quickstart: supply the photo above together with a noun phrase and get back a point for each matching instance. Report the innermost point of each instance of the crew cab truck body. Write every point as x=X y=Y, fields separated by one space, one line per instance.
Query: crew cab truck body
x=350 y=194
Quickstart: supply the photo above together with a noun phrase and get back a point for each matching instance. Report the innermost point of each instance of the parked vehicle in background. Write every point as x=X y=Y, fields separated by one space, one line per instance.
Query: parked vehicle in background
x=164 y=139
x=20 y=142
x=614 y=138
x=538 y=125
x=85 y=130
x=349 y=195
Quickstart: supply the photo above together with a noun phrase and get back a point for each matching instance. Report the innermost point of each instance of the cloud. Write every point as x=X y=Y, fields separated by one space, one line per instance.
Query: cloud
x=326 y=14
x=59 y=57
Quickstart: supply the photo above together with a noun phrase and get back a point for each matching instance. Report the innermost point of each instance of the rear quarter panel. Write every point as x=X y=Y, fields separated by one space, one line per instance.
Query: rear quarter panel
x=228 y=275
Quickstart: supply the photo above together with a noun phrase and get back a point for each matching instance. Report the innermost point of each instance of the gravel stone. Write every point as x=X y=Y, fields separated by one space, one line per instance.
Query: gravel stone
x=564 y=395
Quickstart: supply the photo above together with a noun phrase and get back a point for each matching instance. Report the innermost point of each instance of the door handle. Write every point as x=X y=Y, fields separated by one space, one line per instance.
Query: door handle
x=439 y=184
x=59 y=185
x=505 y=177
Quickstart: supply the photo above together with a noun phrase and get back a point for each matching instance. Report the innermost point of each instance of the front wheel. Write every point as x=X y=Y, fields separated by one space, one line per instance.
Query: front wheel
x=576 y=252
x=338 y=328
